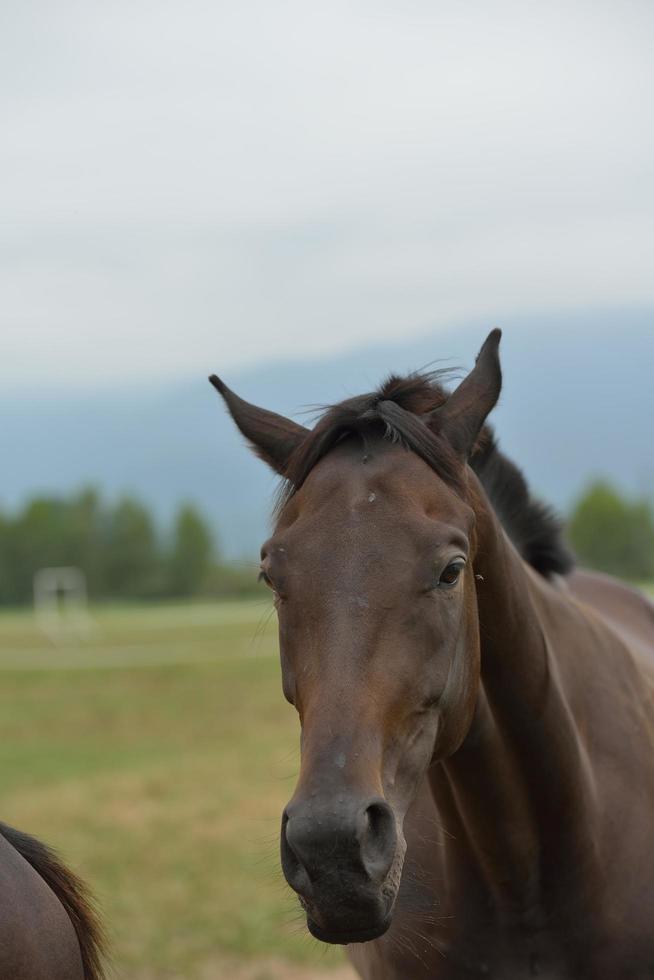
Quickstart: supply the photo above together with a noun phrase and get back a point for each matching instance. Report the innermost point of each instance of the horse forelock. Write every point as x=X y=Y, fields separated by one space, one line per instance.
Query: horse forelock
x=393 y=411
x=396 y=411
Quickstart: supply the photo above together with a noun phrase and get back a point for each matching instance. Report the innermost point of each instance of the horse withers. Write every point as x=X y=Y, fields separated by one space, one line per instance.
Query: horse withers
x=476 y=791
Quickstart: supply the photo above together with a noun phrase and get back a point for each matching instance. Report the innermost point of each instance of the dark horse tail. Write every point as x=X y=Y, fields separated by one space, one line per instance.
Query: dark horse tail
x=71 y=892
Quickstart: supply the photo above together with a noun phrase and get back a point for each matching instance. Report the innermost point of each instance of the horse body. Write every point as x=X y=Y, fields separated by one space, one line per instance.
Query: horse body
x=476 y=791
x=48 y=930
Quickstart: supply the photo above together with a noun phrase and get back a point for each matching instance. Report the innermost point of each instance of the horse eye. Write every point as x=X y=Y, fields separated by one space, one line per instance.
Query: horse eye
x=450 y=575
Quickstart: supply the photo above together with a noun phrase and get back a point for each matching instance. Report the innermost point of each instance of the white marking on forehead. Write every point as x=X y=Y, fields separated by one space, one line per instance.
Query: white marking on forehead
x=340 y=760
x=372 y=497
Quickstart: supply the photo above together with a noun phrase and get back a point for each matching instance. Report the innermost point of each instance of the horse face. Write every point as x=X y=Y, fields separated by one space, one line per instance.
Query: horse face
x=370 y=565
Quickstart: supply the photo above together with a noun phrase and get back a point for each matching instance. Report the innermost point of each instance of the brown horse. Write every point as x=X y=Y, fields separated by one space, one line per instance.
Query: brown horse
x=48 y=928
x=476 y=794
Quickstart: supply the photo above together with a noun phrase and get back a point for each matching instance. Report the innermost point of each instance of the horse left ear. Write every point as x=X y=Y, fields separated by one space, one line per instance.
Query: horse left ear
x=273 y=437
x=460 y=419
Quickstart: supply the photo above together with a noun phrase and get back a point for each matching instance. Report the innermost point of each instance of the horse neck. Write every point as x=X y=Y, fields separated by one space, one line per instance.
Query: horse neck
x=518 y=794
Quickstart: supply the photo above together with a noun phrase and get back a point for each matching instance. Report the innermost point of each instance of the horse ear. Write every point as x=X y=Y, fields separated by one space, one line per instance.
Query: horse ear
x=460 y=419
x=272 y=437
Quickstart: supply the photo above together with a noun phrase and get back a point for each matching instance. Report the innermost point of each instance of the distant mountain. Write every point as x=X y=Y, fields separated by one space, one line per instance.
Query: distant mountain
x=578 y=400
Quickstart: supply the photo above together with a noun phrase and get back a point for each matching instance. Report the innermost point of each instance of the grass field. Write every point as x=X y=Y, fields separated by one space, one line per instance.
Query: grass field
x=156 y=754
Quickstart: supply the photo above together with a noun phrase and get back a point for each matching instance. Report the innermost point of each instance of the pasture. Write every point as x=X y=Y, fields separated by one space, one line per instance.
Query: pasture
x=156 y=754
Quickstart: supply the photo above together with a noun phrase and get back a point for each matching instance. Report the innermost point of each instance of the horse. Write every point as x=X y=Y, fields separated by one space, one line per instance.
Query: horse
x=476 y=787
x=49 y=929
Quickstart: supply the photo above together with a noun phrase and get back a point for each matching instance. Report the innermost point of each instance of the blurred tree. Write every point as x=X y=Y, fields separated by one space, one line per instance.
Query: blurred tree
x=115 y=546
x=86 y=530
x=6 y=579
x=37 y=539
x=131 y=560
x=192 y=552
x=50 y=532
x=613 y=534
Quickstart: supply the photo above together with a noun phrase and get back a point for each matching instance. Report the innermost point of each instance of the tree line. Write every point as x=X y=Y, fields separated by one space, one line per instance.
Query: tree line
x=613 y=533
x=118 y=546
x=124 y=555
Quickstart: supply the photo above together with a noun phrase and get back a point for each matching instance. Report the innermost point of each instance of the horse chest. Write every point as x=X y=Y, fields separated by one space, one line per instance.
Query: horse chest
x=507 y=960
x=408 y=957
x=414 y=952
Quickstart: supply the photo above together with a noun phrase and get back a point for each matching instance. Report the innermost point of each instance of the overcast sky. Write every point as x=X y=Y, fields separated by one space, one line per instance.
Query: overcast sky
x=195 y=186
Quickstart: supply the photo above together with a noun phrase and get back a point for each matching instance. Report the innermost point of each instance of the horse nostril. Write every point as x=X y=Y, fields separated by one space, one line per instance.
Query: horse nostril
x=378 y=839
x=294 y=871
x=317 y=843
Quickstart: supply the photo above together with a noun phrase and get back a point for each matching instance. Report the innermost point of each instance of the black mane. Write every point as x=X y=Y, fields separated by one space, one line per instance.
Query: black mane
x=394 y=411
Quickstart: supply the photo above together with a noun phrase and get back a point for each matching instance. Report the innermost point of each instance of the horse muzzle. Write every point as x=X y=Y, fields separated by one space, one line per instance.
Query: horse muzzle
x=343 y=859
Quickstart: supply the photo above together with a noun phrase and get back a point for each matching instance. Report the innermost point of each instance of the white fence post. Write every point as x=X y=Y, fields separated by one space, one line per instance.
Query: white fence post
x=61 y=603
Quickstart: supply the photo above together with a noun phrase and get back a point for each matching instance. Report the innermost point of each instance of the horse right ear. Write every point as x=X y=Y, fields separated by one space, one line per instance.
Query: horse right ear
x=272 y=437
x=460 y=419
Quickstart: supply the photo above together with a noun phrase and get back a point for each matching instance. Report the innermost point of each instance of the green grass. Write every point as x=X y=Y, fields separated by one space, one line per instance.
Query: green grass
x=156 y=754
